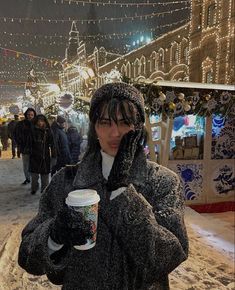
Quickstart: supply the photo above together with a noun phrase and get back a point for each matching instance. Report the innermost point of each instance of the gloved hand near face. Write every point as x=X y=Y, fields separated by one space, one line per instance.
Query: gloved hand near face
x=129 y=145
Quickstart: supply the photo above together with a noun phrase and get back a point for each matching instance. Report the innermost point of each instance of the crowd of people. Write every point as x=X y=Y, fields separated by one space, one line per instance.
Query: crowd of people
x=44 y=148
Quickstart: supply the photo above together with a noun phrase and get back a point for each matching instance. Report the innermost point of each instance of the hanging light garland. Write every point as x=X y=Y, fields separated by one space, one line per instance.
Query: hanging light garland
x=10 y=52
x=99 y=36
x=121 y=4
x=94 y=21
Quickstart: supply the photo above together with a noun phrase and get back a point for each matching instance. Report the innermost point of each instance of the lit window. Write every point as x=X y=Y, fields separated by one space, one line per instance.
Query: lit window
x=176 y=55
x=209 y=77
x=160 y=59
x=185 y=53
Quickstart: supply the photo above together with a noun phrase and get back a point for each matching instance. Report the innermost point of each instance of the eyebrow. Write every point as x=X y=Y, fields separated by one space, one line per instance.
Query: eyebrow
x=108 y=119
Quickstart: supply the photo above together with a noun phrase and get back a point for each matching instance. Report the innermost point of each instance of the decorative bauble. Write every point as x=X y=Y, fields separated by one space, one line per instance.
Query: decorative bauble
x=181 y=96
x=162 y=96
x=187 y=107
x=207 y=97
x=172 y=106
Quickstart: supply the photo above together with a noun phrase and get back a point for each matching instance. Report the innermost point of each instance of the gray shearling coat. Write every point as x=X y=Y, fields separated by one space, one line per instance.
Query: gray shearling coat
x=141 y=236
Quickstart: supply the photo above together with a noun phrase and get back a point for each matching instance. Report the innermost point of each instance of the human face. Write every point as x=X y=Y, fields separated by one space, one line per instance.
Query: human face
x=41 y=124
x=30 y=115
x=110 y=133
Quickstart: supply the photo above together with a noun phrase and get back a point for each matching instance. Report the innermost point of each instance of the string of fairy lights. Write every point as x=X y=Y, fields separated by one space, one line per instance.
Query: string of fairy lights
x=58 y=39
x=15 y=44
x=94 y=36
x=94 y=21
x=119 y=4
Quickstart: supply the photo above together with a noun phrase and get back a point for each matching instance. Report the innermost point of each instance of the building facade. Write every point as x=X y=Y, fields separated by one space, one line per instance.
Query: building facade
x=200 y=51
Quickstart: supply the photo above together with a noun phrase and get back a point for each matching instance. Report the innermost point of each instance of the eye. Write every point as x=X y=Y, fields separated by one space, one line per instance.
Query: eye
x=104 y=122
x=123 y=123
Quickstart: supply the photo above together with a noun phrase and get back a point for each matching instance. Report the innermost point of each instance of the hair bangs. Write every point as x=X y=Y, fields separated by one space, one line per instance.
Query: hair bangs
x=109 y=110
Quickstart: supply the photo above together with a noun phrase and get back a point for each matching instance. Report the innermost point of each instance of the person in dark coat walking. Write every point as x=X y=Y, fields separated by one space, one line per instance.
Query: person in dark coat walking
x=43 y=150
x=23 y=138
x=11 y=134
x=4 y=136
x=61 y=144
x=141 y=235
x=74 y=139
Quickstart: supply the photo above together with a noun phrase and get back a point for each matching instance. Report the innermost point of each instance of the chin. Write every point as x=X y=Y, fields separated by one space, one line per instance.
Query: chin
x=112 y=152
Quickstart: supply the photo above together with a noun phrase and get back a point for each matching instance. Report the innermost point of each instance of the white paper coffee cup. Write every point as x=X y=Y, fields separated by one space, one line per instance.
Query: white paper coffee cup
x=86 y=202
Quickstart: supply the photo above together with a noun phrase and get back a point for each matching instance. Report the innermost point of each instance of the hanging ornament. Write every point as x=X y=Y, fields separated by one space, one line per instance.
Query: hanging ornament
x=178 y=109
x=211 y=104
x=225 y=98
x=181 y=96
x=195 y=98
x=162 y=96
x=172 y=106
x=170 y=96
x=187 y=107
x=157 y=105
x=207 y=97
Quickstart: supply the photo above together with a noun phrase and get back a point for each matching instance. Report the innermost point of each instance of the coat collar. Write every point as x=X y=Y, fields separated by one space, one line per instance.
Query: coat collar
x=89 y=170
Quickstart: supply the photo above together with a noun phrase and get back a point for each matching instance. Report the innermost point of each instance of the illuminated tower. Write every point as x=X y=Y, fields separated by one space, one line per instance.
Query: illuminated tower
x=73 y=45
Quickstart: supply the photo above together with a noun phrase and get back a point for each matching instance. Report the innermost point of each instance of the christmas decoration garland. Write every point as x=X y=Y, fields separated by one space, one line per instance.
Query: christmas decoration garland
x=173 y=102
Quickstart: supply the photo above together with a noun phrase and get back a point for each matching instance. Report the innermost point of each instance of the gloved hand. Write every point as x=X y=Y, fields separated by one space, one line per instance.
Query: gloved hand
x=119 y=173
x=70 y=227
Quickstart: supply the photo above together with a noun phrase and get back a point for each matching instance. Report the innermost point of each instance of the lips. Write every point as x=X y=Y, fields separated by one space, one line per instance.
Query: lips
x=113 y=145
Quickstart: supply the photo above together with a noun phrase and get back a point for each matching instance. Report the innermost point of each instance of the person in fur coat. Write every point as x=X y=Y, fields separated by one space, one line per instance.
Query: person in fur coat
x=141 y=235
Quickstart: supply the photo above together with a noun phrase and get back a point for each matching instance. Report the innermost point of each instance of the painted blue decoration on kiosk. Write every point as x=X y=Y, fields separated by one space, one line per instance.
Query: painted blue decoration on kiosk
x=191 y=176
x=223 y=138
x=224 y=180
x=218 y=122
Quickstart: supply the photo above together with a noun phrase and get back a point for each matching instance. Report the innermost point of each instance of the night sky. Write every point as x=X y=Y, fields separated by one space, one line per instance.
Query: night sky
x=41 y=27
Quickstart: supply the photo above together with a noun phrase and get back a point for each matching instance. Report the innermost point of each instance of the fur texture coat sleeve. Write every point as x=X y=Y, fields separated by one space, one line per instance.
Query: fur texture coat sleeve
x=33 y=253
x=149 y=225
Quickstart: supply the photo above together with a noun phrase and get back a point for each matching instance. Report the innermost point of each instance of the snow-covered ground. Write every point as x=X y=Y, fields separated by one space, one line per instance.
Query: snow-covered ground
x=210 y=264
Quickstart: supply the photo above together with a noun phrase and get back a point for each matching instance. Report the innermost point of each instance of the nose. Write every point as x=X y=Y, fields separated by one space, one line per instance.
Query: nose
x=114 y=130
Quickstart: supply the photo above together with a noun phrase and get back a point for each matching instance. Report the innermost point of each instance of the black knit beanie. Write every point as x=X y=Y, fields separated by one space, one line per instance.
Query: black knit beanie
x=120 y=91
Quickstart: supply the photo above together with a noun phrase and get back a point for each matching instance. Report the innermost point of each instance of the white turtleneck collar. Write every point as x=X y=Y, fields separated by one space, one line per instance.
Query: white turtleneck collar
x=107 y=163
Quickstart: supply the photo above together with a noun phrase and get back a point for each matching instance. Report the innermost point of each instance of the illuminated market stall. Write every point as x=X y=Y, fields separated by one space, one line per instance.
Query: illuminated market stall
x=193 y=132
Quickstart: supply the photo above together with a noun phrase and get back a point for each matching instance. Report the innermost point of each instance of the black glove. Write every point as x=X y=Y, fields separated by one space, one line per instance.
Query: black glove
x=119 y=173
x=70 y=227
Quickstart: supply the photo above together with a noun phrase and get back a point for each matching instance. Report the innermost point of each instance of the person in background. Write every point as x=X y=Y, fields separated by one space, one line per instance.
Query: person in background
x=11 y=135
x=141 y=235
x=4 y=136
x=61 y=144
x=83 y=146
x=43 y=150
x=23 y=138
x=74 y=139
